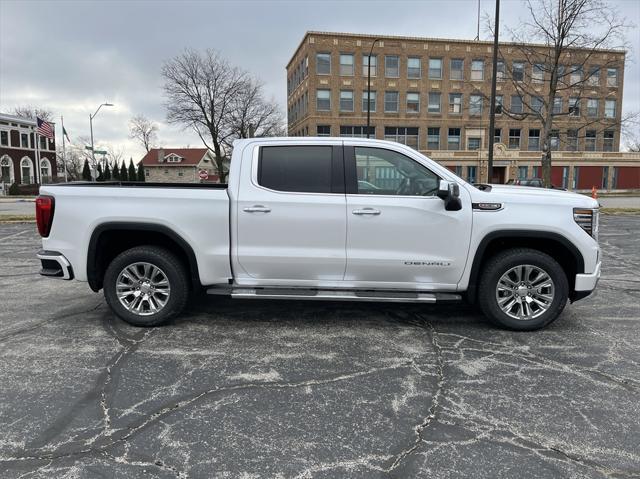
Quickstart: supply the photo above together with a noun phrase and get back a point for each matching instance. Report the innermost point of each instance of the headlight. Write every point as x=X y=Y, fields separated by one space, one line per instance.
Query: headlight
x=588 y=220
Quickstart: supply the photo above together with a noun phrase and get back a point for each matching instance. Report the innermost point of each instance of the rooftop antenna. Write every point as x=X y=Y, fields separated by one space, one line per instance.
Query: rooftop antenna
x=478 y=28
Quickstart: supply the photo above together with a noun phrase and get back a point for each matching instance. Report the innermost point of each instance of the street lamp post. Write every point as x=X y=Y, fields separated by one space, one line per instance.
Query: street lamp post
x=91 y=117
x=369 y=85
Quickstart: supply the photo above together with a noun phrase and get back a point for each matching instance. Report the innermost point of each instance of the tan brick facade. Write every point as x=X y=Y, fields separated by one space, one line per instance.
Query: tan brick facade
x=307 y=74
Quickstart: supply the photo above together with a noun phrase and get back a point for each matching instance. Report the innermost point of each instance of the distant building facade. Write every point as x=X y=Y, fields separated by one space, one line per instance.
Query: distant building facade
x=179 y=165
x=432 y=95
x=18 y=162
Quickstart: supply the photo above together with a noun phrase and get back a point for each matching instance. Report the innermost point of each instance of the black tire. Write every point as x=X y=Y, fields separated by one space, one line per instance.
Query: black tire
x=168 y=264
x=501 y=263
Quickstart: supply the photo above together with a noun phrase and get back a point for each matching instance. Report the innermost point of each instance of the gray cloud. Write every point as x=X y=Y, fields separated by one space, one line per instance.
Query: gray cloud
x=70 y=56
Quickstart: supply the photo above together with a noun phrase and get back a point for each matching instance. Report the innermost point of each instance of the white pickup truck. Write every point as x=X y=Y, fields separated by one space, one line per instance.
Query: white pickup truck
x=324 y=219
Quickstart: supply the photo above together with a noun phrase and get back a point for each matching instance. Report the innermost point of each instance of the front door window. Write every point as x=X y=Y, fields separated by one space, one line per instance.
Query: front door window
x=386 y=172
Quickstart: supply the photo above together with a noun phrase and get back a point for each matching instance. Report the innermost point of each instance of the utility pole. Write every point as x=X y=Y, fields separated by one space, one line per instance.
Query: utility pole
x=492 y=111
x=369 y=85
x=91 y=117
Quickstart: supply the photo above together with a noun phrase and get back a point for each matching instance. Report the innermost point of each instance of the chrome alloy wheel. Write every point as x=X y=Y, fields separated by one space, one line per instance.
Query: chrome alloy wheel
x=525 y=292
x=143 y=288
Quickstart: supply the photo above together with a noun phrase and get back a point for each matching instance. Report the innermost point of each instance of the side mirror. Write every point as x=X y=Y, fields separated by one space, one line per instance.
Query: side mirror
x=449 y=192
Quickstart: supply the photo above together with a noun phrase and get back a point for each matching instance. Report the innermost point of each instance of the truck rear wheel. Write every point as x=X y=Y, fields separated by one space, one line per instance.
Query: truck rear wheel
x=146 y=286
x=523 y=289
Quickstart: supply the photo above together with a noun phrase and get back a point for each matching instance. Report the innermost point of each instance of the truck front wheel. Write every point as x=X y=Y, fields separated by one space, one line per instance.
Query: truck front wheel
x=146 y=286
x=522 y=289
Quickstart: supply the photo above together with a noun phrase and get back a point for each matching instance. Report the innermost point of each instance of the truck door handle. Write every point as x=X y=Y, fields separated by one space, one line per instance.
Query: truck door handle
x=257 y=209
x=366 y=211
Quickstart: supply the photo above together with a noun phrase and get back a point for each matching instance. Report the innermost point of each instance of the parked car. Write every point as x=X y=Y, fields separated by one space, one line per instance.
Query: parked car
x=535 y=182
x=295 y=221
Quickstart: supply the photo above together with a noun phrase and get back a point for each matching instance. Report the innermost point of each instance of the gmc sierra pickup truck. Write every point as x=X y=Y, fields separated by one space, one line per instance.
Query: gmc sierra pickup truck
x=324 y=219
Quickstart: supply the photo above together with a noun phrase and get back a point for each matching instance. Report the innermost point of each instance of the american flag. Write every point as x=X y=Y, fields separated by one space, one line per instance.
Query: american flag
x=44 y=128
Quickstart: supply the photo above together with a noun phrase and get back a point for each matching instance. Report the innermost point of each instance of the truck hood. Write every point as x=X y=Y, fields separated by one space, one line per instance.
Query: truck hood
x=523 y=194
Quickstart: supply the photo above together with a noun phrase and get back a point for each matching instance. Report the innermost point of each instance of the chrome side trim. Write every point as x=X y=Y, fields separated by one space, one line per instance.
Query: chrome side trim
x=65 y=267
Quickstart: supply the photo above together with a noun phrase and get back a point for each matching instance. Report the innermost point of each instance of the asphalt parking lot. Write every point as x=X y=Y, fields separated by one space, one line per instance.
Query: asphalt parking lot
x=248 y=389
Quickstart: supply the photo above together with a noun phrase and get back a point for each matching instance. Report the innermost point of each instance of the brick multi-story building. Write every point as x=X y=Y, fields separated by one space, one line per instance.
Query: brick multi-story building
x=18 y=162
x=433 y=95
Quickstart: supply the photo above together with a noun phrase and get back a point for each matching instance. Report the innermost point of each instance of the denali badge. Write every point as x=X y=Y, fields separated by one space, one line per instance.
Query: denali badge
x=427 y=263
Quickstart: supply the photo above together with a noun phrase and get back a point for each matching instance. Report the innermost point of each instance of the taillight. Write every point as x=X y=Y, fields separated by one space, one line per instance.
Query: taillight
x=44 y=214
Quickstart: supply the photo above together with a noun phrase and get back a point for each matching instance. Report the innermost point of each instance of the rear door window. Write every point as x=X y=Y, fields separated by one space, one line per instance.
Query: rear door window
x=302 y=169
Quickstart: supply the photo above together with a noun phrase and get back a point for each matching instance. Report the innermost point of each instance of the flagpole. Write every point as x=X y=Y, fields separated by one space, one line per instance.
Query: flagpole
x=64 y=153
x=35 y=174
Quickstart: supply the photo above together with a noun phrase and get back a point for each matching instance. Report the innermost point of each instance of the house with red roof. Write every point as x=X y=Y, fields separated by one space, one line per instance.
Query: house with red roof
x=179 y=165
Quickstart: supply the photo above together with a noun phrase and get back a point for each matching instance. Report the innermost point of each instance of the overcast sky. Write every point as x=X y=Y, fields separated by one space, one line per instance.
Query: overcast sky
x=70 y=56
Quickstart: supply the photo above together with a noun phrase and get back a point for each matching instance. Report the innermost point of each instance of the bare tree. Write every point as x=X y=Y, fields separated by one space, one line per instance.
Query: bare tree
x=73 y=161
x=31 y=112
x=253 y=116
x=570 y=36
x=201 y=90
x=143 y=130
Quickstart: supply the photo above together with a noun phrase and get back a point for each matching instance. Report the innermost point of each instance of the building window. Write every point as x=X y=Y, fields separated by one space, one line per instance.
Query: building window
x=372 y=101
x=45 y=170
x=576 y=177
x=592 y=107
x=605 y=177
x=25 y=170
x=594 y=76
x=43 y=142
x=472 y=172
x=607 y=145
x=323 y=100
x=574 y=106
x=434 y=102
x=346 y=100
x=455 y=103
x=453 y=139
x=24 y=140
x=323 y=130
x=435 y=68
x=516 y=104
x=475 y=105
x=554 y=140
x=391 y=101
x=534 y=140
x=536 y=172
x=537 y=73
x=557 y=105
x=497 y=135
x=346 y=64
x=6 y=168
x=473 y=143
x=565 y=176
x=414 y=70
x=180 y=173
x=609 y=108
x=392 y=66
x=572 y=140
x=499 y=104
x=405 y=135
x=517 y=71
x=590 y=141
x=500 y=71
x=365 y=65
x=576 y=74
x=612 y=77
x=433 y=138
x=523 y=171
x=477 y=70
x=514 y=138
x=357 y=131
x=536 y=104
x=456 y=67
x=323 y=63
x=4 y=138
x=413 y=102
x=458 y=170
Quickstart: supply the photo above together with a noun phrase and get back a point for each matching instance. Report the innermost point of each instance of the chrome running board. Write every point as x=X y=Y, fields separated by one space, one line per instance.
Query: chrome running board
x=335 y=295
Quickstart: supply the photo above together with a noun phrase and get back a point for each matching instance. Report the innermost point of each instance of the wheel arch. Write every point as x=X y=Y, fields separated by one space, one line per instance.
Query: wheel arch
x=112 y=238
x=554 y=244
